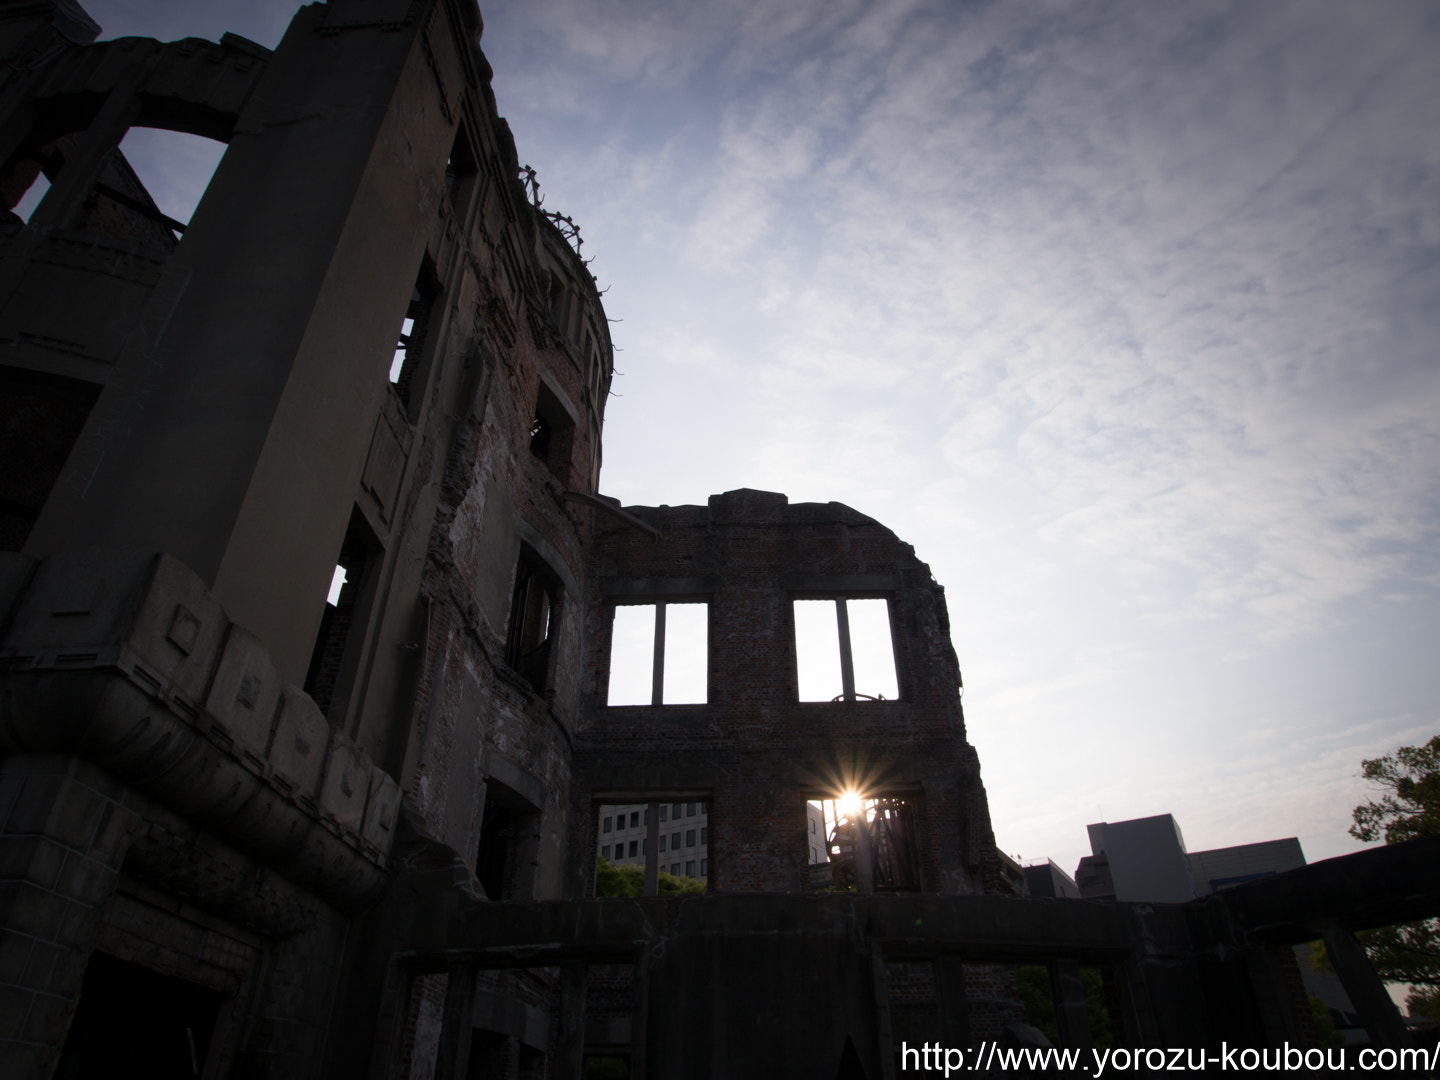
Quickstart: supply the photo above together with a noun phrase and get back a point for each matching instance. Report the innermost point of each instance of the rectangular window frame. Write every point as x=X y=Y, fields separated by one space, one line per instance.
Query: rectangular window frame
x=657 y=671
x=847 y=656
x=652 y=849
x=537 y=605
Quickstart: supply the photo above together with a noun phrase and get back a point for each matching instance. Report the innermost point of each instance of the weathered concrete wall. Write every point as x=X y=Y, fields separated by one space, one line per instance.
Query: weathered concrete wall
x=236 y=437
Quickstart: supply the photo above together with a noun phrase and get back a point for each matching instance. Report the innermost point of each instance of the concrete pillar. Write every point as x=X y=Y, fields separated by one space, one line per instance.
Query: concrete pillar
x=953 y=1013
x=457 y=1024
x=1068 y=993
x=64 y=831
x=652 y=849
x=864 y=852
x=847 y=655
x=1367 y=993
x=62 y=202
x=657 y=683
x=570 y=1048
x=640 y=1014
x=884 y=1029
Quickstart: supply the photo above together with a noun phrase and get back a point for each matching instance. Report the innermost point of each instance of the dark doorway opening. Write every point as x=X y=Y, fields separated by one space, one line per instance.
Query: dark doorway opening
x=508 y=834
x=132 y=1021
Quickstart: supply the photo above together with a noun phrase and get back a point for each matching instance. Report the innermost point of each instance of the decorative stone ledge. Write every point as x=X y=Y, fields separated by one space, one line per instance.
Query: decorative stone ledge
x=126 y=660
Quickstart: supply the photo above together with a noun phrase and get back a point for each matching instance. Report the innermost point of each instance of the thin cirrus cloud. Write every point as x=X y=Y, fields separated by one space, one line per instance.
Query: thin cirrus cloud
x=1124 y=314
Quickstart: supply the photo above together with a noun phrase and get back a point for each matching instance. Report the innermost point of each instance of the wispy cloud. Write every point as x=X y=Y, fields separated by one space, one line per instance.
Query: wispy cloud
x=1125 y=314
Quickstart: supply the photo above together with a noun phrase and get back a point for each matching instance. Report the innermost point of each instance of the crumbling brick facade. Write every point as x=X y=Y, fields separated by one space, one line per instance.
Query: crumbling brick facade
x=754 y=750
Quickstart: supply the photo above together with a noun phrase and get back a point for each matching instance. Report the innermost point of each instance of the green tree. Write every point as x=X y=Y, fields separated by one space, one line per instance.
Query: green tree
x=1408 y=808
x=1033 y=982
x=611 y=880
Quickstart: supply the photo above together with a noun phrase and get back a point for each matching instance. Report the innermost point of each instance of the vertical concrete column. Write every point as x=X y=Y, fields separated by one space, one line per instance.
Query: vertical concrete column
x=847 y=655
x=1367 y=993
x=1068 y=992
x=954 y=1014
x=64 y=831
x=1137 y=1018
x=457 y=1023
x=1275 y=1006
x=77 y=176
x=570 y=1053
x=864 y=852
x=884 y=1029
x=652 y=849
x=286 y=1036
x=640 y=1014
x=657 y=678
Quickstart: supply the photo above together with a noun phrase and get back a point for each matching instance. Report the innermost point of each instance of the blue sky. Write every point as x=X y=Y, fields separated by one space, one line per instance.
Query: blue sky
x=1124 y=314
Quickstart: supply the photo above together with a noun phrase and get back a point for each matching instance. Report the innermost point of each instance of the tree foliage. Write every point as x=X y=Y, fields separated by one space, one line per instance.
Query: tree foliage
x=1033 y=982
x=629 y=880
x=1410 y=806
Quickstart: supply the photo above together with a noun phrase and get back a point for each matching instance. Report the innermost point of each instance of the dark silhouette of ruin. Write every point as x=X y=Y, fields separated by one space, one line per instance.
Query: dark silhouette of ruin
x=248 y=828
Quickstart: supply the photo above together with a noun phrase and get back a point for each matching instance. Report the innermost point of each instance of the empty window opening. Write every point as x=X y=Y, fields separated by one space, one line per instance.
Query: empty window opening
x=402 y=349
x=509 y=837
x=337 y=585
x=844 y=650
x=490 y=1053
x=534 y=608
x=1042 y=989
x=31 y=195
x=874 y=838
x=120 y=203
x=540 y=437
x=132 y=1021
x=460 y=173
x=173 y=168
x=552 y=434
x=41 y=417
x=815 y=833
x=659 y=654
x=620 y=870
x=613 y=1005
x=632 y=655
x=406 y=373
x=335 y=658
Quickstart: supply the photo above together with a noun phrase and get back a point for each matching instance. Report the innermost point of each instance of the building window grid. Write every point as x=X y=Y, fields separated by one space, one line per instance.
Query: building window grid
x=639 y=819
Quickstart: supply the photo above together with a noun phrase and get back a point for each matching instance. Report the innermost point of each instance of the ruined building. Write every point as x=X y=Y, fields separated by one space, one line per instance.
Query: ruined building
x=306 y=603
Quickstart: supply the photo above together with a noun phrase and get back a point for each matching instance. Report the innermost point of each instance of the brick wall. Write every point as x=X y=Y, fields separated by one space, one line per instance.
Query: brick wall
x=753 y=749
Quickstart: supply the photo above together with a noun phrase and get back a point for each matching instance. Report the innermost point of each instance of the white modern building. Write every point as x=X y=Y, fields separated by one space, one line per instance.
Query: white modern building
x=1145 y=860
x=684 y=841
